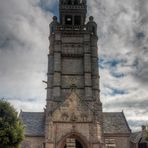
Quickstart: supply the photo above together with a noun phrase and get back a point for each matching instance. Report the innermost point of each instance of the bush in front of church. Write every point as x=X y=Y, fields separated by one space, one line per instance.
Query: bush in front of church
x=11 y=129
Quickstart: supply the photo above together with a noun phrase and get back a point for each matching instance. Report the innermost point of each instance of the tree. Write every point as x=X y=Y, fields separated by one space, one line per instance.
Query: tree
x=11 y=128
x=146 y=136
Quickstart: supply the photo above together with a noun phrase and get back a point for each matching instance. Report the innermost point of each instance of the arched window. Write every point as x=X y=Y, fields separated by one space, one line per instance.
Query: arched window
x=77 y=20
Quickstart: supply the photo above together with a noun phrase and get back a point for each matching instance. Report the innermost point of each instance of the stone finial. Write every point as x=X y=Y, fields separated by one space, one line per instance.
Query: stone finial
x=91 y=26
x=91 y=18
x=54 y=18
x=53 y=25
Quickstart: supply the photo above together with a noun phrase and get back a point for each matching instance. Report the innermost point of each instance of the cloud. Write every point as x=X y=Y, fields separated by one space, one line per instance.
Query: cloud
x=123 y=52
x=23 y=49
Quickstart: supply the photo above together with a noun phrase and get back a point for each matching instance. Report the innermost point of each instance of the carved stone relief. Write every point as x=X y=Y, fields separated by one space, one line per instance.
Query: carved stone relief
x=65 y=116
x=73 y=117
x=84 y=117
x=72 y=49
x=72 y=110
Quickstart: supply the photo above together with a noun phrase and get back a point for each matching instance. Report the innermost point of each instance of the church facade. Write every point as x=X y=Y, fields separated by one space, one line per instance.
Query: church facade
x=73 y=117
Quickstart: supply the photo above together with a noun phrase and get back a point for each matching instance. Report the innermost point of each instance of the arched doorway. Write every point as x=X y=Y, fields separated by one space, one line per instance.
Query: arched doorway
x=73 y=143
x=73 y=140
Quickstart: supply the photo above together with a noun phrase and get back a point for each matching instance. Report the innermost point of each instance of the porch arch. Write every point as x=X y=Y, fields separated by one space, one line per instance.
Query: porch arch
x=77 y=136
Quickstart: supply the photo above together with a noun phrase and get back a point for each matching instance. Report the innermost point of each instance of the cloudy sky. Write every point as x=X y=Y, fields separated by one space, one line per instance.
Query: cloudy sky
x=123 y=53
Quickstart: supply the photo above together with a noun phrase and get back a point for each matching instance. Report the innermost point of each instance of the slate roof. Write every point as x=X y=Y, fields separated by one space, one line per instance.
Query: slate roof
x=34 y=123
x=138 y=137
x=135 y=137
x=115 y=122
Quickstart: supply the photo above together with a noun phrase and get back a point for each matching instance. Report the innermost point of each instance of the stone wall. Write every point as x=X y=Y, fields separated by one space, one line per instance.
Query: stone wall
x=119 y=140
x=33 y=142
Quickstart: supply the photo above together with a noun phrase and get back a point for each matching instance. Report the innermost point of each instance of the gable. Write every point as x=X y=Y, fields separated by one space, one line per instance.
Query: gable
x=115 y=122
x=73 y=109
x=33 y=123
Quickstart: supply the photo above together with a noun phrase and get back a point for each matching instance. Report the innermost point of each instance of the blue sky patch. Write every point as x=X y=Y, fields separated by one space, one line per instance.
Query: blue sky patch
x=118 y=92
x=140 y=35
x=112 y=65
x=118 y=74
x=110 y=62
x=115 y=91
x=53 y=8
x=4 y=42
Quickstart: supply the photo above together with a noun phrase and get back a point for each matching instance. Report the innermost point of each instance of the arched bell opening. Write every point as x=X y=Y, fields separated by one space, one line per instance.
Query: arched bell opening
x=76 y=2
x=69 y=2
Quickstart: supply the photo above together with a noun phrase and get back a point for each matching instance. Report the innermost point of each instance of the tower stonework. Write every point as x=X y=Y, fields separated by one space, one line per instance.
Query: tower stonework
x=73 y=116
x=73 y=110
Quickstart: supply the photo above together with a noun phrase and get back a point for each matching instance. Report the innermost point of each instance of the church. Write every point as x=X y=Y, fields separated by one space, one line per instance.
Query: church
x=73 y=117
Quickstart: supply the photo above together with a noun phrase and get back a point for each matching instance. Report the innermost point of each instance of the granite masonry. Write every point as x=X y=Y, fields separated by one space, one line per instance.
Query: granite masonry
x=73 y=117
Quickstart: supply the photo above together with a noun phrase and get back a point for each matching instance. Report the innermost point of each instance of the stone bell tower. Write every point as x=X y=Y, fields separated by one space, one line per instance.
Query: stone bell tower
x=73 y=110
